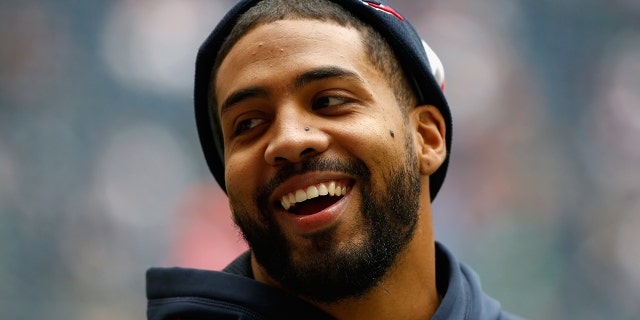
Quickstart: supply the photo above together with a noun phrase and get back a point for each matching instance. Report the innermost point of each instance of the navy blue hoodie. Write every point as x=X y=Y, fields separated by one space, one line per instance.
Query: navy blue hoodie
x=189 y=294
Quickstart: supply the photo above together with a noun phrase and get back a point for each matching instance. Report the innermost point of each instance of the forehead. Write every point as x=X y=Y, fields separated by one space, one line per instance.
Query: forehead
x=289 y=45
x=280 y=31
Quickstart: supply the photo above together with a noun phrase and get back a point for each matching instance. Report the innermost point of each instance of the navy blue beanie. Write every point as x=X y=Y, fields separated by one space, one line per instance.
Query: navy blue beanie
x=419 y=63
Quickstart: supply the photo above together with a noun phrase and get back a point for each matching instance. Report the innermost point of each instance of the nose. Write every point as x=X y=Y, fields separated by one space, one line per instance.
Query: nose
x=294 y=139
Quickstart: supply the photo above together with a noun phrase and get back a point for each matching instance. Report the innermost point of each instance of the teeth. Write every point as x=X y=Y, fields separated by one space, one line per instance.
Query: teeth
x=322 y=190
x=313 y=191
x=332 y=188
x=301 y=196
x=285 y=203
x=292 y=198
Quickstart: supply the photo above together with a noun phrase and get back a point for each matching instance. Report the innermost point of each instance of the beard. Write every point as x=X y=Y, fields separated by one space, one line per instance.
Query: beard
x=332 y=273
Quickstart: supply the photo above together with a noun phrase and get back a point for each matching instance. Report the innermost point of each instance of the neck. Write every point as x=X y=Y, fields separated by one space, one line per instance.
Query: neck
x=408 y=290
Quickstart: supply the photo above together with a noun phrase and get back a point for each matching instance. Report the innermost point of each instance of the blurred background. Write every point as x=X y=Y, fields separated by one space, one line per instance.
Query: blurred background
x=101 y=173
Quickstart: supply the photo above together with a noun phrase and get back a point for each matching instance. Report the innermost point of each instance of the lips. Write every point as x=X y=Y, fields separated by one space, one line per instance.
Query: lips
x=322 y=191
x=312 y=201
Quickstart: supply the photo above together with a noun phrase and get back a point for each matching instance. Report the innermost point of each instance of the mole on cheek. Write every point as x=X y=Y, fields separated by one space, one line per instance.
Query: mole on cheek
x=393 y=135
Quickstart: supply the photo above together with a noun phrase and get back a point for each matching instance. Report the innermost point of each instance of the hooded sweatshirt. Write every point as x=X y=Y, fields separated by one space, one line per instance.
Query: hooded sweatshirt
x=190 y=294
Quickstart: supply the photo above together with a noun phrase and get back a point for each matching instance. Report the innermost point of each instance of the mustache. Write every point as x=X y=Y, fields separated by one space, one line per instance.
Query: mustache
x=352 y=167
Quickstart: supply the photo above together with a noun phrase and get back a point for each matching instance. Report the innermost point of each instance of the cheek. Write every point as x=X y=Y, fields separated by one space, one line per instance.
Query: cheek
x=373 y=143
x=383 y=137
x=394 y=143
x=240 y=175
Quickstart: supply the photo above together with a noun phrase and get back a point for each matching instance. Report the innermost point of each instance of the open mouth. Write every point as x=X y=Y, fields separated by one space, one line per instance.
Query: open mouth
x=314 y=198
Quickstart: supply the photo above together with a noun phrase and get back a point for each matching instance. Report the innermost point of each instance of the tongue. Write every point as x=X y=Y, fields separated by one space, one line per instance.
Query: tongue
x=314 y=205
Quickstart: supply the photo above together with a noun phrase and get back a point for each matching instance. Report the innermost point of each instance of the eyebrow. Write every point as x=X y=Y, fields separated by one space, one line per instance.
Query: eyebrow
x=241 y=95
x=300 y=81
x=325 y=73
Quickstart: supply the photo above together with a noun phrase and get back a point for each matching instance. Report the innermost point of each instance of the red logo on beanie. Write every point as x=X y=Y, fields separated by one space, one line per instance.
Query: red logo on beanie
x=384 y=8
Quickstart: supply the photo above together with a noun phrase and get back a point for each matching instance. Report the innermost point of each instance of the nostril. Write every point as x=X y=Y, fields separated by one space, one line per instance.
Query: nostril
x=307 y=151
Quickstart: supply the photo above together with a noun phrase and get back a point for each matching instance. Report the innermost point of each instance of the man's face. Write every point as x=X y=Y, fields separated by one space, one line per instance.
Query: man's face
x=321 y=174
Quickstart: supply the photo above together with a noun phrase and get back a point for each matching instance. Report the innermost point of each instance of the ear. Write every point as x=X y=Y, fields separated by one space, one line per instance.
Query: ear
x=428 y=129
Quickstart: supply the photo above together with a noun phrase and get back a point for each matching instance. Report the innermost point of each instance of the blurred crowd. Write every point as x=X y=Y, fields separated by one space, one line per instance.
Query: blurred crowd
x=101 y=173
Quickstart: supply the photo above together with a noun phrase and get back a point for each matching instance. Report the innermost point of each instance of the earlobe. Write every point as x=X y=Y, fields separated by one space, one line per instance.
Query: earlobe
x=429 y=132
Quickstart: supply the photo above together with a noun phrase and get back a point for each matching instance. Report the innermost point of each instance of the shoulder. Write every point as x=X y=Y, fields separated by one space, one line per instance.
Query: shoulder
x=204 y=294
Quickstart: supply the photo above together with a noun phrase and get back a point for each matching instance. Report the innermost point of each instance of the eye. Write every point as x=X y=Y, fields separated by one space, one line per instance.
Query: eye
x=246 y=125
x=329 y=101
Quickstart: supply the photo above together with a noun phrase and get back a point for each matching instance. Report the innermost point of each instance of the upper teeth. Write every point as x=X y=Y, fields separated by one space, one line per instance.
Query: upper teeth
x=313 y=191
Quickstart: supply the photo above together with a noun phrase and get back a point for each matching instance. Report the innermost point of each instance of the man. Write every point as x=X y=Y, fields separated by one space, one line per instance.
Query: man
x=325 y=123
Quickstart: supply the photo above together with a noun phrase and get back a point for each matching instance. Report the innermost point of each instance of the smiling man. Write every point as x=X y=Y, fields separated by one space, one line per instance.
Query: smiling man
x=325 y=123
